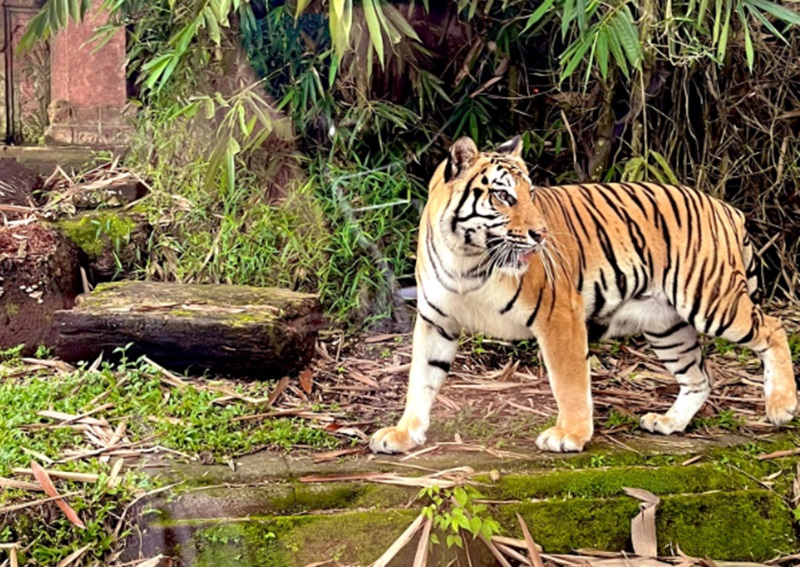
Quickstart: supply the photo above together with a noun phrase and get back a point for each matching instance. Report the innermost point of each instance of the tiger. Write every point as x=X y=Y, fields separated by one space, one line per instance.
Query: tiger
x=571 y=264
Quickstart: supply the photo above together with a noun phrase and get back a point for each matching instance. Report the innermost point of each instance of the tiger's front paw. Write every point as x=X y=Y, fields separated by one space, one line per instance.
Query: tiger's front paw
x=781 y=408
x=394 y=440
x=657 y=423
x=558 y=440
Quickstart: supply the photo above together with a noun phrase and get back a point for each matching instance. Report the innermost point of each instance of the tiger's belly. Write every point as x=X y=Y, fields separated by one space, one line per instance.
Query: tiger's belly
x=632 y=316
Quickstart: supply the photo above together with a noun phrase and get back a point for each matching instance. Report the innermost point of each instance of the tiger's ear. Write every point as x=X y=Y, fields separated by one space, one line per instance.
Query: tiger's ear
x=462 y=154
x=511 y=148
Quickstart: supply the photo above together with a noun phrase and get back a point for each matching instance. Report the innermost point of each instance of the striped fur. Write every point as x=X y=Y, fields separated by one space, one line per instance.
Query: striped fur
x=568 y=264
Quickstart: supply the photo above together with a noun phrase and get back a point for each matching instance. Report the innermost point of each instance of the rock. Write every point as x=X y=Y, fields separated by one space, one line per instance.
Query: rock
x=224 y=329
x=17 y=185
x=39 y=274
x=114 y=192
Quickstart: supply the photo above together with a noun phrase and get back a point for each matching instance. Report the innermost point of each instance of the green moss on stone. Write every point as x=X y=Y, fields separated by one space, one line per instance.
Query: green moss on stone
x=741 y=525
x=93 y=232
x=355 y=537
x=746 y=525
x=600 y=483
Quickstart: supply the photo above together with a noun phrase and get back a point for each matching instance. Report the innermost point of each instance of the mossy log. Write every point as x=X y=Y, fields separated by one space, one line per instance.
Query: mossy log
x=222 y=329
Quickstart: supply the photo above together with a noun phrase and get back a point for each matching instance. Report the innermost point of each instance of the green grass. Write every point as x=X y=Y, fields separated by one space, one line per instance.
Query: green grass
x=184 y=420
x=345 y=231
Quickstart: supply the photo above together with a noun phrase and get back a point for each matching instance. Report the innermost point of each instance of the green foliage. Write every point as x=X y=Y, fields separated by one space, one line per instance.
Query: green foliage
x=185 y=421
x=454 y=512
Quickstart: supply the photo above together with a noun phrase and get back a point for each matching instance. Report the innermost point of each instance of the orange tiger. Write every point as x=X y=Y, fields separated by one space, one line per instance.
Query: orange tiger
x=575 y=263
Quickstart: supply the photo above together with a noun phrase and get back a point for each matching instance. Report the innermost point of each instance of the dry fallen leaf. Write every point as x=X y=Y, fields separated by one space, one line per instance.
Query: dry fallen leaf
x=307 y=381
x=50 y=489
x=643 y=525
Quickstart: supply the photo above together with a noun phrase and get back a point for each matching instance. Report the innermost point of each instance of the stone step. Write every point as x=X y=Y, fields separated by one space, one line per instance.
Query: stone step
x=708 y=509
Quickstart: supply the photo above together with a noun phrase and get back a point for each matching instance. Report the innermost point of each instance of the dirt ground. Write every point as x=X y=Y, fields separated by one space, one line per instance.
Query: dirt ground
x=497 y=392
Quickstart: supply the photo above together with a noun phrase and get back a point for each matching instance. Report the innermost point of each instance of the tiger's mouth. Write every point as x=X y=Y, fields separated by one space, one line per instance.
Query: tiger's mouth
x=525 y=256
x=520 y=257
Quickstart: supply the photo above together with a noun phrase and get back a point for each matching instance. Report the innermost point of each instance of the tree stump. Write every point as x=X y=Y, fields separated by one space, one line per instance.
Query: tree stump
x=39 y=275
x=223 y=329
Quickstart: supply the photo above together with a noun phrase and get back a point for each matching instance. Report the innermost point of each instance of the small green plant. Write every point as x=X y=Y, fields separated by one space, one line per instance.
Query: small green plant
x=794 y=347
x=11 y=356
x=454 y=512
x=724 y=347
x=619 y=419
x=725 y=419
x=43 y=352
x=598 y=461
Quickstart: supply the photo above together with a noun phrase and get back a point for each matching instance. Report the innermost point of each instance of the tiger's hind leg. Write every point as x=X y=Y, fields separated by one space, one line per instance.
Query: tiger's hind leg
x=676 y=344
x=766 y=337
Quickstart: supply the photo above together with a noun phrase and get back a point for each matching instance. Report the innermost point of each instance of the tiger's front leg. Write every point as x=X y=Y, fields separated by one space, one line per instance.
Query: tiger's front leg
x=563 y=341
x=433 y=351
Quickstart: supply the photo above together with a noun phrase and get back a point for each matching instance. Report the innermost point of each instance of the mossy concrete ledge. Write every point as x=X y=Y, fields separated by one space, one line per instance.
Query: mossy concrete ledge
x=224 y=329
x=707 y=509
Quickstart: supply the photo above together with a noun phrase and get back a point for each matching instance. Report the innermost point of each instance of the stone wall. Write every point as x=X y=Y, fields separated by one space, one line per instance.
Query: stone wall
x=88 y=86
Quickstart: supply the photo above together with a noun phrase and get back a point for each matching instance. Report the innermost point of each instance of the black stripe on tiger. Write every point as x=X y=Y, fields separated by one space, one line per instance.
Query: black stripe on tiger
x=440 y=364
x=438 y=328
x=513 y=300
x=664 y=334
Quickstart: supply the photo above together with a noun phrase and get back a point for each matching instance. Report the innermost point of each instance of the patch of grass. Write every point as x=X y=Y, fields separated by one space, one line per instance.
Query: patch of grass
x=343 y=231
x=184 y=420
x=617 y=418
x=794 y=347
x=725 y=419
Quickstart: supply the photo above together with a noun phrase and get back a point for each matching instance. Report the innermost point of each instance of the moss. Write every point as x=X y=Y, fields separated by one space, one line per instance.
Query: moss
x=356 y=537
x=561 y=526
x=94 y=231
x=741 y=525
x=754 y=525
x=599 y=483
x=11 y=309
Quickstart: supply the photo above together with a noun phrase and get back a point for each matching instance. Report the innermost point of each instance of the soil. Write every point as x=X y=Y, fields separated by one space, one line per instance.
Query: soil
x=39 y=274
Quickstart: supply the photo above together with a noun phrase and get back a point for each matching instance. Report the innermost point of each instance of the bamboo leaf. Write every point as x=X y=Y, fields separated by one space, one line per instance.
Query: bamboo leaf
x=701 y=13
x=75 y=10
x=567 y=15
x=374 y=27
x=580 y=12
x=781 y=12
x=63 y=12
x=537 y=14
x=628 y=36
x=748 y=42
x=616 y=51
x=576 y=56
x=400 y=21
x=212 y=24
x=723 y=36
x=766 y=23
x=337 y=7
x=601 y=50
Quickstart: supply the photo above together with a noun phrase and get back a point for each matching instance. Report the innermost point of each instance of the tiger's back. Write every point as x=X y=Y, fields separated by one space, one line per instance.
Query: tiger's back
x=646 y=243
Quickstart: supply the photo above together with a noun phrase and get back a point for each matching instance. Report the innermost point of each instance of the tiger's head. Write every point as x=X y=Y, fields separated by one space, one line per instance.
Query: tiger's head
x=489 y=211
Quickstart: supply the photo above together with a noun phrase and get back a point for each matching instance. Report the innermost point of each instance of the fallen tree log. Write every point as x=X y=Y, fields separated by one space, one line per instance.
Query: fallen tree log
x=222 y=329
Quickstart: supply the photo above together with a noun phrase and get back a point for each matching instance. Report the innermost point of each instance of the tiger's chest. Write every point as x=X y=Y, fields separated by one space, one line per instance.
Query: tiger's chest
x=488 y=311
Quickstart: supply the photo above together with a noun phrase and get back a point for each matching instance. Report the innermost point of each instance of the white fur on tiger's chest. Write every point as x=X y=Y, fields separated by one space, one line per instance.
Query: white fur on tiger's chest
x=481 y=311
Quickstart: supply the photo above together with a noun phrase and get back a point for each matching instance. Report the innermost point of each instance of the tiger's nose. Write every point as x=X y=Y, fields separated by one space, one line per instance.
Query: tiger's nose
x=537 y=235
